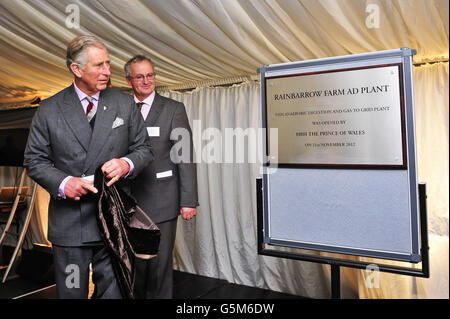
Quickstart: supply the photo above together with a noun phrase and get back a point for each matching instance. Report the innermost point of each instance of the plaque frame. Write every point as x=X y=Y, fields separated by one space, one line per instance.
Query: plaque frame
x=402 y=165
x=286 y=211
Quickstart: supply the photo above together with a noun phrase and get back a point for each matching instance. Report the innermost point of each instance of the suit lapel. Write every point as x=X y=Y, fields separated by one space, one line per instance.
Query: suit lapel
x=103 y=125
x=72 y=111
x=155 y=110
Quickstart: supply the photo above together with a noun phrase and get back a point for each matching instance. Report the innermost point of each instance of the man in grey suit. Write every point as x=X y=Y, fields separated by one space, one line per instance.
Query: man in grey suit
x=167 y=187
x=79 y=129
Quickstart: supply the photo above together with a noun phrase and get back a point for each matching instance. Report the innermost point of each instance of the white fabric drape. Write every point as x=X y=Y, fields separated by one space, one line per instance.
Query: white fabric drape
x=222 y=241
x=213 y=244
x=431 y=116
x=431 y=98
x=201 y=40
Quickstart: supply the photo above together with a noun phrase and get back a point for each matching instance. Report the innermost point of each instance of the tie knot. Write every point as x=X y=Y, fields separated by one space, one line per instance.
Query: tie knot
x=89 y=98
x=139 y=105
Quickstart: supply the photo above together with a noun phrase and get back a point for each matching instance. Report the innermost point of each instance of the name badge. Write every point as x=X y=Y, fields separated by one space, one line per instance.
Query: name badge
x=153 y=131
x=164 y=174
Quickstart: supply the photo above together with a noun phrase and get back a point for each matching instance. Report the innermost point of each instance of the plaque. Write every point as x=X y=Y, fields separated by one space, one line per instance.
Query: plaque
x=345 y=117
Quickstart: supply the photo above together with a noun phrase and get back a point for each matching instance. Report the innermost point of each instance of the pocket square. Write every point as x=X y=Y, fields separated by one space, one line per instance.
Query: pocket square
x=117 y=122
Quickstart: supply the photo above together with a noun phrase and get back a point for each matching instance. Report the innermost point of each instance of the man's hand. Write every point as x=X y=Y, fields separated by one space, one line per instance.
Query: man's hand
x=77 y=187
x=115 y=169
x=188 y=212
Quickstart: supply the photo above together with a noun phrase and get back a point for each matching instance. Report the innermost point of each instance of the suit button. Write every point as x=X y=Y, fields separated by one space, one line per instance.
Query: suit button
x=83 y=175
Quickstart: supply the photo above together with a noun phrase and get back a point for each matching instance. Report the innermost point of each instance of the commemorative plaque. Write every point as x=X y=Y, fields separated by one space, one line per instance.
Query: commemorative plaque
x=343 y=117
x=340 y=171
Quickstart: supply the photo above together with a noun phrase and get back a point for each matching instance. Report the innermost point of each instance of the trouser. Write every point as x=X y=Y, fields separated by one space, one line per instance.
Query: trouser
x=72 y=272
x=154 y=277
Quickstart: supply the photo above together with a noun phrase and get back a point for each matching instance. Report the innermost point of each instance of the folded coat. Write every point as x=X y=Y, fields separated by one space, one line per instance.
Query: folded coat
x=127 y=231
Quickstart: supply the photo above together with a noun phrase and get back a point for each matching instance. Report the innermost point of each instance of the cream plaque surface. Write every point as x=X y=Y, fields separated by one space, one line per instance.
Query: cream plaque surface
x=338 y=117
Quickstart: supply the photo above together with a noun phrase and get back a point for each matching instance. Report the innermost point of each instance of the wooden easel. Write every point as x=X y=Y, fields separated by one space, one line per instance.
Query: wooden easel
x=25 y=224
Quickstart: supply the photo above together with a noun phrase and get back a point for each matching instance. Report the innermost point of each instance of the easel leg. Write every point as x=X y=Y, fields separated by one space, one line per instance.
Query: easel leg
x=335 y=282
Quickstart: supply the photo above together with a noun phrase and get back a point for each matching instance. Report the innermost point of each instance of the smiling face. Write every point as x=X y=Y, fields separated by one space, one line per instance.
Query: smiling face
x=94 y=76
x=142 y=79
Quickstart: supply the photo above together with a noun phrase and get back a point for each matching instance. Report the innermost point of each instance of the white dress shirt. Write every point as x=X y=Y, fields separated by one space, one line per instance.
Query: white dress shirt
x=148 y=101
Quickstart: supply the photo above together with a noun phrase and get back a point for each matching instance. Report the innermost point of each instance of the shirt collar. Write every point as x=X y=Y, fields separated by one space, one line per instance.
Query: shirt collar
x=148 y=100
x=82 y=95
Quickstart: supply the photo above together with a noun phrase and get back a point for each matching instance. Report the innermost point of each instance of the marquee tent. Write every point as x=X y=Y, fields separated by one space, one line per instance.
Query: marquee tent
x=206 y=54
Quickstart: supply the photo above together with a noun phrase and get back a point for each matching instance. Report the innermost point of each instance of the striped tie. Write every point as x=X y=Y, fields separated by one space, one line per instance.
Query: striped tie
x=90 y=111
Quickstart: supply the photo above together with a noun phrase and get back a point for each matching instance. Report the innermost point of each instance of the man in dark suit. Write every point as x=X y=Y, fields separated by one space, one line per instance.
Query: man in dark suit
x=167 y=187
x=82 y=127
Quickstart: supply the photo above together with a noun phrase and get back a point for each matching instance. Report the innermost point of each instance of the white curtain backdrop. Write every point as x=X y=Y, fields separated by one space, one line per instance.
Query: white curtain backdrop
x=222 y=241
x=431 y=115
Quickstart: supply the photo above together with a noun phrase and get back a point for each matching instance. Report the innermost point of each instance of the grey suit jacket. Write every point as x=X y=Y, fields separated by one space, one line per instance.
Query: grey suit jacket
x=61 y=143
x=162 y=195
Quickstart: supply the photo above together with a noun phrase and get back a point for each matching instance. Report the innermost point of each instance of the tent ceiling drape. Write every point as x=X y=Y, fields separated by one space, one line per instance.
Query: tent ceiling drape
x=203 y=40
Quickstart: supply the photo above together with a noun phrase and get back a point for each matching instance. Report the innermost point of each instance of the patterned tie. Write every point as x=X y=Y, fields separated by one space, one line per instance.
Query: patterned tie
x=90 y=111
x=139 y=105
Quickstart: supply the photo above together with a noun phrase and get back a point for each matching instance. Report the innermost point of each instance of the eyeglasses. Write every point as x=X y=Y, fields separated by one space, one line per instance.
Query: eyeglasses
x=141 y=77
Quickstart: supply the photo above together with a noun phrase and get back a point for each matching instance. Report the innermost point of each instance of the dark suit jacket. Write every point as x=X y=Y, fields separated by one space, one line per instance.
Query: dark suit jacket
x=61 y=143
x=162 y=197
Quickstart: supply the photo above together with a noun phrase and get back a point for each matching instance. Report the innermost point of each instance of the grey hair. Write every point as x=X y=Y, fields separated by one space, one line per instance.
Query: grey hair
x=76 y=49
x=136 y=58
